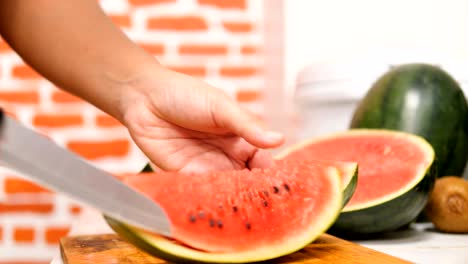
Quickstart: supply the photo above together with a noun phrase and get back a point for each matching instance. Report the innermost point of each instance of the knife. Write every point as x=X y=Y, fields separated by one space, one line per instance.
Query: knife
x=61 y=170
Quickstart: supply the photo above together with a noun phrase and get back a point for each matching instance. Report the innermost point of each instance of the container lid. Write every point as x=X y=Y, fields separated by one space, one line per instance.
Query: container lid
x=337 y=81
x=350 y=80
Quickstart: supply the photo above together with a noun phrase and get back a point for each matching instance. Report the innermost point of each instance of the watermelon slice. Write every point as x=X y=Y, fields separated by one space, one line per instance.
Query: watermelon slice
x=238 y=216
x=395 y=176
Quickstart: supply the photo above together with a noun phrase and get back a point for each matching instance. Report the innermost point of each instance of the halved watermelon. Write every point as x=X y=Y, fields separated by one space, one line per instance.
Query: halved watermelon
x=395 y=176
x=238 y=216
x=424 y=100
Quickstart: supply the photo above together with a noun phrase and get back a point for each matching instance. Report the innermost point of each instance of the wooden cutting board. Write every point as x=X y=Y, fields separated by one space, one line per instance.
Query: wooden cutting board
x=110 y=248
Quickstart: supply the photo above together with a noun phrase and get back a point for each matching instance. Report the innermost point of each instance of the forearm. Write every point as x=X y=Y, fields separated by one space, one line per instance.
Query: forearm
x=76 y=46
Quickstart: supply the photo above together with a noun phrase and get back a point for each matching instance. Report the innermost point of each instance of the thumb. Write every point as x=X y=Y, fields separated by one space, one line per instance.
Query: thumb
x=229 y=115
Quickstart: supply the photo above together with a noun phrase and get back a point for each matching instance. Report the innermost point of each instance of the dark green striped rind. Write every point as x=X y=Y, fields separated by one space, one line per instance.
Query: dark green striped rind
x=424 y=100
x=388 y=216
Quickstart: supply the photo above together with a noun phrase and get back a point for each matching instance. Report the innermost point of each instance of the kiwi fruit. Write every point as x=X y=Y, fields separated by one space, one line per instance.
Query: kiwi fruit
x=447 y=207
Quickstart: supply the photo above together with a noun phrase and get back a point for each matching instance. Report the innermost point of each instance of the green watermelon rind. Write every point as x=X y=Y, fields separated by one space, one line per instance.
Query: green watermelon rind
x=388 y=216
x=393 y=211
x=151 y=243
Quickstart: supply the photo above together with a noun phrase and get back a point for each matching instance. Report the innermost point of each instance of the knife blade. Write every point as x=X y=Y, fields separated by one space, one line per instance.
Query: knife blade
x=63 y=171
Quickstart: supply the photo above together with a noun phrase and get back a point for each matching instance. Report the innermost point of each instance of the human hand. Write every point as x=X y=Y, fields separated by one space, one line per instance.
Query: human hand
x=179 y=122
x=183 y=124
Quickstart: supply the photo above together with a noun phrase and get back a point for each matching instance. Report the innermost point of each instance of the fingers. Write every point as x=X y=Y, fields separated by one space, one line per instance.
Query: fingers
x=154 y=167
x=260 y=159
x=228 y=114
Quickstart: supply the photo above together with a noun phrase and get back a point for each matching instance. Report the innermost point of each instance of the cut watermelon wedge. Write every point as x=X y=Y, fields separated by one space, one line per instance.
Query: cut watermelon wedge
x=396 y=174
x=238 y=216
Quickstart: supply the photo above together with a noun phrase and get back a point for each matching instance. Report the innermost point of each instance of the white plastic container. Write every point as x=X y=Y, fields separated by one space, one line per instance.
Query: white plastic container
x=326 y=95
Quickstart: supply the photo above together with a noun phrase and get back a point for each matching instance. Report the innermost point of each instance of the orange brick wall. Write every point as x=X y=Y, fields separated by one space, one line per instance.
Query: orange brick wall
x=215 y=40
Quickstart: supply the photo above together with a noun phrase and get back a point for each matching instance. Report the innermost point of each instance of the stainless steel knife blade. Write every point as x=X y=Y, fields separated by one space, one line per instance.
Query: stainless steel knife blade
x=63 y=171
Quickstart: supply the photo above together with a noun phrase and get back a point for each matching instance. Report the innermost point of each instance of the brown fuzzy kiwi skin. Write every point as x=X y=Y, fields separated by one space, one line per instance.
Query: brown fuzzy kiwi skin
x=447 y=207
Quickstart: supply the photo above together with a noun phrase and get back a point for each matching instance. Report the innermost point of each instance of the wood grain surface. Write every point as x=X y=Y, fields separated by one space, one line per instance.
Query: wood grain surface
x=110 y=248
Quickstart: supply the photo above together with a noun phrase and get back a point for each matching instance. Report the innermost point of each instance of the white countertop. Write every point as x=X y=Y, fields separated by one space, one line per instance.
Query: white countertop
x=420 y=244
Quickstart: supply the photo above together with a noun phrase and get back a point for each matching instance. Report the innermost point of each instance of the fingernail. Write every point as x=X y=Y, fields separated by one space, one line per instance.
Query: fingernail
x=273 y=136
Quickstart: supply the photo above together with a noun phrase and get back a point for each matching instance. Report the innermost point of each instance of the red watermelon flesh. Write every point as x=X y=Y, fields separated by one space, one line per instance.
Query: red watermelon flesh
x=388 y=162
x=241 y=211
x=346 y=170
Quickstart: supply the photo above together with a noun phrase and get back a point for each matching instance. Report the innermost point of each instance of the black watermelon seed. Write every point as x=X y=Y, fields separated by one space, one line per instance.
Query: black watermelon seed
x=212 y=223
x=235 y=209
x=265 y=203
x=275 y=189
x=220 y=224
x=286 y=187
x=265 y=192
x=201 y=215
x=248 y=226
x=192 y=218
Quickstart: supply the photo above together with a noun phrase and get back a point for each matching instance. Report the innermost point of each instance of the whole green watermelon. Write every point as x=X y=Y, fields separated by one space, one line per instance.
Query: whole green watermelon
x=425 y=100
